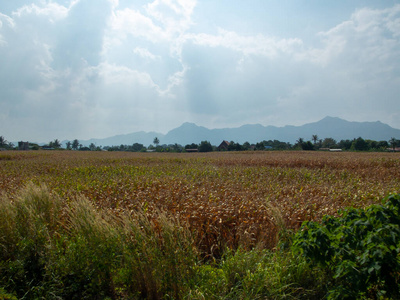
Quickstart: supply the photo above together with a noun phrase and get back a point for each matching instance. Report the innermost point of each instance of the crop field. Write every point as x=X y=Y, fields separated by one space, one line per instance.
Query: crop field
x=226 y=199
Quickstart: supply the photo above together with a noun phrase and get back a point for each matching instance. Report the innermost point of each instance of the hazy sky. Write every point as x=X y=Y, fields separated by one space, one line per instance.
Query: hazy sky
x=92 y=69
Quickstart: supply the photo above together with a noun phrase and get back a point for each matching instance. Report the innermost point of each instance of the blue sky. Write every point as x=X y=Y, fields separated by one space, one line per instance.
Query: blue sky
x=92 y=69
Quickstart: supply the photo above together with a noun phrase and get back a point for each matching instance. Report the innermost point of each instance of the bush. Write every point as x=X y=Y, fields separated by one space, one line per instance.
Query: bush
x=360 y=250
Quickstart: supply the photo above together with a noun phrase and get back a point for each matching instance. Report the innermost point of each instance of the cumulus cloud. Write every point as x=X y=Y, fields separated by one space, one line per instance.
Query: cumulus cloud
x=79 y=70
x=145 y=53
x=52 y=11
x=248 y=45
x=175 y=15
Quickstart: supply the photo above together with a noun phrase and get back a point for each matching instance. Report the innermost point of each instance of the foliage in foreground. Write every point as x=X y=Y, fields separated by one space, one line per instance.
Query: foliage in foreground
x=57 y=249
x=360 y=250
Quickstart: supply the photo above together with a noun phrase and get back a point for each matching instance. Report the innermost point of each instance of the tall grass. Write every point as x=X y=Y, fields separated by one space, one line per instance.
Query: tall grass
x=56 y=249
x=74 y=251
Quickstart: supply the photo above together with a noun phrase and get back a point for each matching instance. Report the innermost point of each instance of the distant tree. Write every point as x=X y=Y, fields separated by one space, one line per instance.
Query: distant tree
x=3 y=141
x=393 y=142
x=205 y=146
x=278 y=145
x=191 y=146
x=307 y=146
x=315 y=138
x=372 y=144
x=55 y=144
x=75 y=144
x=345 y=144
x=329 y=143
x=136 y=147
x=299 y=143
x=246 y=146
x=382 y=145
x=360 y=145
x=234 y=146
x=69 y=144
x=156 y=141
x=260 y=146
x=92 y=147
x=176 y=148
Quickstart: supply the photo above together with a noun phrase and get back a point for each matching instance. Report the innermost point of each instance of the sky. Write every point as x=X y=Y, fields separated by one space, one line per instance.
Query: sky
x=81 y=69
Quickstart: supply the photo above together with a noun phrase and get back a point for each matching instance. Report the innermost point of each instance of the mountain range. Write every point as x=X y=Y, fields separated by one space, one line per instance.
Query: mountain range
x=188 y=133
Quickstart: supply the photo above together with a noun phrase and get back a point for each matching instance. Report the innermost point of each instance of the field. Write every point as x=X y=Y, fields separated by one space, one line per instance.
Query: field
x=229 y=198
x=240 y=200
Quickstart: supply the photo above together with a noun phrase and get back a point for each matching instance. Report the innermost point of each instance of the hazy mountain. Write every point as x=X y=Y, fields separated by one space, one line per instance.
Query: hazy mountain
x=145 y=138
x=188 y=133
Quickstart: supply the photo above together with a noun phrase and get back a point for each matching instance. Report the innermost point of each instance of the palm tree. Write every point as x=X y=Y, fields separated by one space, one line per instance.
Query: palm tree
x=300 y=142
x=56 y=143
x=315 y=138
x=3 y=141
x=156 y=141
x=75 y=144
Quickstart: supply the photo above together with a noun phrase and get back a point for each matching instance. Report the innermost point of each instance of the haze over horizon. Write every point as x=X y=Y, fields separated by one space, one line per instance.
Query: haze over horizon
x=93 y=69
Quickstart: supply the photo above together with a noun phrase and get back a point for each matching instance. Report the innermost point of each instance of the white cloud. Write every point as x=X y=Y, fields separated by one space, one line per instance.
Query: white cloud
x=129 y=21
x=113 y=74
x=175 y=15
x=81 y=68
x=364 y=39
x=145 y=53
x=248 y=45
x=7 y=21
x=51 y=10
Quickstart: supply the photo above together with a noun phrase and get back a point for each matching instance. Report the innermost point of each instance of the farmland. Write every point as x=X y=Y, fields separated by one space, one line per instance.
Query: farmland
x=230 y=198
x=225 y=201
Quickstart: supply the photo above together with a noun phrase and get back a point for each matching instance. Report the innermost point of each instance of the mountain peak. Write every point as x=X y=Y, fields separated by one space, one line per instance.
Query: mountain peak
x=331 y=119
x=332 y=127
x=188 y=124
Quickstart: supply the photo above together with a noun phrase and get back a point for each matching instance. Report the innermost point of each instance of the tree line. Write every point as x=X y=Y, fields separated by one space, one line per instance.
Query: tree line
x=314 y=143
x=358 y=144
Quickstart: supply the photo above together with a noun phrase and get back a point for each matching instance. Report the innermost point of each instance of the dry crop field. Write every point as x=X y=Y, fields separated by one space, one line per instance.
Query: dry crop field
x=226 y=198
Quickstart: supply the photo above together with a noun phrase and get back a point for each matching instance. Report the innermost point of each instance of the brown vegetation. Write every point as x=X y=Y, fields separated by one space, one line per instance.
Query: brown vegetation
x=227 y=199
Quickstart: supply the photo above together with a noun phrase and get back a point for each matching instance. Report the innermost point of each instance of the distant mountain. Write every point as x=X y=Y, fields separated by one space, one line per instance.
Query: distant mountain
x=145 y=138
x=188 y=133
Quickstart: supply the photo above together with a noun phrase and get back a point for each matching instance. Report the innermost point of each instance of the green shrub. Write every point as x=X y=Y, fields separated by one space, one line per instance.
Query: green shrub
x=360 y=250
x=258 y=274
x=26 y=228
x=6 y=296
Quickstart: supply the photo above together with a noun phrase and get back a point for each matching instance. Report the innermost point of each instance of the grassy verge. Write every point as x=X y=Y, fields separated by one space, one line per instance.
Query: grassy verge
x=56 y=249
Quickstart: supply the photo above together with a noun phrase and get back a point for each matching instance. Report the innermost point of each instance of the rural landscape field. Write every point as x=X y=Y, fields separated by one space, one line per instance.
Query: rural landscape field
x=212 y=206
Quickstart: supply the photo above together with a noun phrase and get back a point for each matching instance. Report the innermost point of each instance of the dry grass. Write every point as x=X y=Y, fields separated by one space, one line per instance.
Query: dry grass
x=226 y=199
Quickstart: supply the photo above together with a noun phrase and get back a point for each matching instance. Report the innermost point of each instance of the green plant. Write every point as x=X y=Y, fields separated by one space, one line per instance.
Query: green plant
x=360 y=249
x=6 y=296
x=26 y=228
